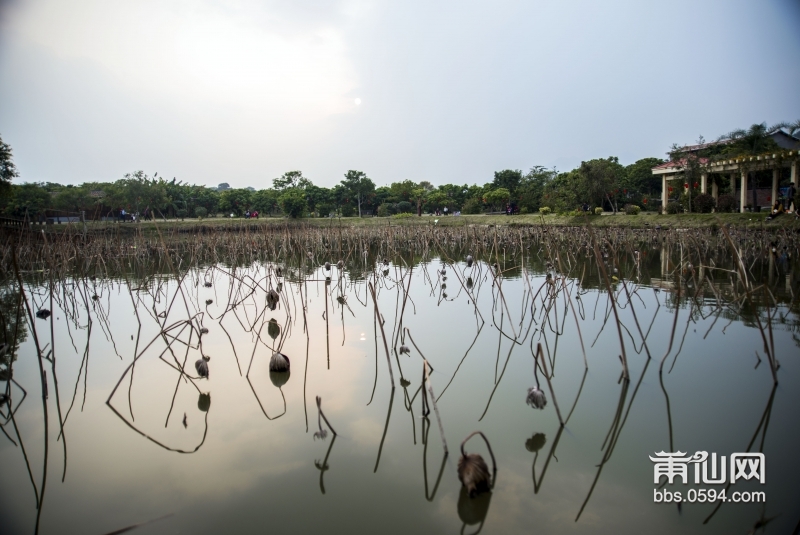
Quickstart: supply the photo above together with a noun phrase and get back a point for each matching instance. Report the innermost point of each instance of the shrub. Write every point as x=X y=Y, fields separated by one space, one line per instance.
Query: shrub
x=405 y=207
x=200 y=212
x=181 y=212
x=674 y=208
x=523 y=210
x=473 y=206
x=703 y=203
x=383 y=210
x=575 y=213
x=632 y=209
x=347 y=210
x=726 y=203
x=598 y=210
x=544 y=210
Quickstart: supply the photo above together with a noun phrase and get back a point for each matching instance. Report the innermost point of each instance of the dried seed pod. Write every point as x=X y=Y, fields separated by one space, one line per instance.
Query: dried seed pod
x=473 y=471
x=536 y=398
x=279 y=362
x=204 y=402
x=273 y=329
x=202 y=367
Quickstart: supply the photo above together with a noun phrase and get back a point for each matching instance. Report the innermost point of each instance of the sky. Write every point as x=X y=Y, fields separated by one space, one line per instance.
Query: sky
x=241 y=91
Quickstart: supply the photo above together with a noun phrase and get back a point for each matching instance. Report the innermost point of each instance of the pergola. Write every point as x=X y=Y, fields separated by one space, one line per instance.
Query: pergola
x=740 y=166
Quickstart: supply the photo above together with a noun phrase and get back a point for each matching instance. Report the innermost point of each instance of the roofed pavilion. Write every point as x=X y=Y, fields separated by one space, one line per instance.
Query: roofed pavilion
x=786 y=156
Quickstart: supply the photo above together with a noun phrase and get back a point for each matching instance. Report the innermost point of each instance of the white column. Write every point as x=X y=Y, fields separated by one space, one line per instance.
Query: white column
x=703 y=182
x=733 y=185
x=664 y=192
x=714 y=189
x=794 y=174
x=743 y=193
x=775 y=177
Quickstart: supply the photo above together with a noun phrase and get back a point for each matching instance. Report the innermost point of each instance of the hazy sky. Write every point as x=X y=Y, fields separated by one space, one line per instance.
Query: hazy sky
x=242 y=91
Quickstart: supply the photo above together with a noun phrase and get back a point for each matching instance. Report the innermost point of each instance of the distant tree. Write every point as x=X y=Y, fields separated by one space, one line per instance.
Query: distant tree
x=235 y=201
x=265 y=201
x=531 y=190
x=290 y=179
x=403 y=191
x=224 y=186
x=436 y=200
x=293 y=202
x=509 y=179
x=563 y=191
x=8 y=171
x=497 y=198
x=755 y=140
x=639 y=176
x=208 y=198
x=600 y=180
x=30 y=199
x=418 y=195
x=359 y=185
x=318 y=198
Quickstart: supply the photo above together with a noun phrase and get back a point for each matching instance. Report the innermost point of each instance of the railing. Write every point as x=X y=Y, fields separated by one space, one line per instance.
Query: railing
x=12 y=222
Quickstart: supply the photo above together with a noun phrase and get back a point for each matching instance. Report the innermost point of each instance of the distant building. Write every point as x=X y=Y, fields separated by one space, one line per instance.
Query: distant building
x=786 y=156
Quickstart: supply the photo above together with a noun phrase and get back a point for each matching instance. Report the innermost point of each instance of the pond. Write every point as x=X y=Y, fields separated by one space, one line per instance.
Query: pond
x=640 y=351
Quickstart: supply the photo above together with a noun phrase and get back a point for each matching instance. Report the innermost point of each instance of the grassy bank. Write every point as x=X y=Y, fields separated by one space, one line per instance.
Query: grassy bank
x=644 y=220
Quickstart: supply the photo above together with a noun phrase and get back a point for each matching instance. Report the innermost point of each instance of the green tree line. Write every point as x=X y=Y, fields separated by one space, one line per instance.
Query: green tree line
x=599 y=182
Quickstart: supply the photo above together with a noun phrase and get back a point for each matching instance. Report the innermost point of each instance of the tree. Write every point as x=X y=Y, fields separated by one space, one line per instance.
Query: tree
x=235 y=201
x=508 y=179
x=293 y=202
x=8 y=171
x=403 y=191
x=497 y=198
x=319 y=199
x=30 y=199
x=419 y=194
x=561 y=193
x=224 y=186
x=600 y=180
x=436 y=200
x=290 y=179
x=531 y=190
x=639 y=176
x=359 y=185
x=755 y=140
x=265 y=200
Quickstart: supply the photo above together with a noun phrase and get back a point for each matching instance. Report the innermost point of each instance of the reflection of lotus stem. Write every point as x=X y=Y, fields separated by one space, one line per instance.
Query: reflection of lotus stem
x=426 y=369
x=319 y=407
x=540 y=354
x=383 y=334
x=672 y=334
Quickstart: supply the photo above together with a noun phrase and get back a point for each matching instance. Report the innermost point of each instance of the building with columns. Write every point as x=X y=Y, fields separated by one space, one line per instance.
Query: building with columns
x=736 y=169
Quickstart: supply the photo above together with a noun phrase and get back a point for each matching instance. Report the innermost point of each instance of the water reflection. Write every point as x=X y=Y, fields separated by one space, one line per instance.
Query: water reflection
x=146 y=330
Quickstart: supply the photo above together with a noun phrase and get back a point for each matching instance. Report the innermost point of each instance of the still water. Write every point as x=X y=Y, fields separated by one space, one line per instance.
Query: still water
x=241 y=452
